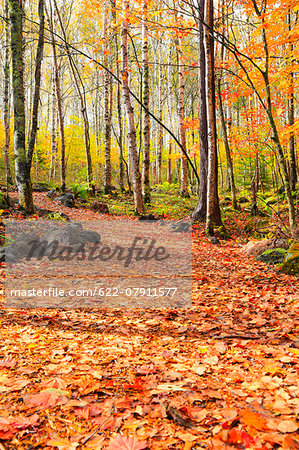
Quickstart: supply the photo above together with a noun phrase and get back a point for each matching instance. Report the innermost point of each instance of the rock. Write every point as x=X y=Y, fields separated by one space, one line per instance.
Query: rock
x=72 y=234
x=243 y=200
x=272 y=256
x=52 y=194
x=148 y=217
x=291 y=260
x=5 y=201
x=100 y=207
x=40 y=187
x=67 y=200
x=214 y=240
x=281 y=243
x=90 y=236
x=256 y=248
x=7 y=254
x=25 y=238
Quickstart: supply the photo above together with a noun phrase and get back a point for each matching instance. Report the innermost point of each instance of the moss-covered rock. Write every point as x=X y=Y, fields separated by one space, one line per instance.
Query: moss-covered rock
x=291 y=260
x=272 y=256
x=4 y=201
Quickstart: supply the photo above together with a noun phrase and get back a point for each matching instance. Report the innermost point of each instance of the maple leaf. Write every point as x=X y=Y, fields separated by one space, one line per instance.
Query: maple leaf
x=254 y=419
x=47 y=398
x=11 y=425
x=56 y=383
x=8 y=363
x=126 y=443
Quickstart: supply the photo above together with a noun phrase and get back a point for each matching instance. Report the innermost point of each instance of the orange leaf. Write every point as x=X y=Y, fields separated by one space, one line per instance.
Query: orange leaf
x=126 y=443
x=254 y=420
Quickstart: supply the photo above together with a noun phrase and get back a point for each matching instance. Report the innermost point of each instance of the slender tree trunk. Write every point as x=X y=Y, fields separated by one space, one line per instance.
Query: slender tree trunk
x=108 y=117
x=170 y=113
x=184 y=166
x=136 y=179
x=107 y=110
x=82 y=98
x=59 y=104
x=38 y=66
x=213 y=210
x=200 y=212
x=119 y=111
x=160 y=107
x=146 y=117
x=6 y=109
x=22 y=168
x=120 y=131
x=230 y=167
x=291 y=120
x=53 y=135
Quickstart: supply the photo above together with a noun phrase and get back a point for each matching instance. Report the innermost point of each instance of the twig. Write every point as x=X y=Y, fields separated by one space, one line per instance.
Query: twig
x=99 y=426
x=236 y=336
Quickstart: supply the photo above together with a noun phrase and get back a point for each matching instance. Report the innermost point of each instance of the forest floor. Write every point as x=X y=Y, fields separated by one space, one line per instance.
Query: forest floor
x=222 y=374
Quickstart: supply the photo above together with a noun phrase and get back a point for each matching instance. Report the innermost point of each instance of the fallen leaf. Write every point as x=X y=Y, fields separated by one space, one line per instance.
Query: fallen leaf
x=287 y=426
x=126 y=443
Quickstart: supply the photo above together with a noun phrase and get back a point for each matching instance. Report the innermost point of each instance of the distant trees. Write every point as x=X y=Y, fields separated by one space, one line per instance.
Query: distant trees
x=229 y=108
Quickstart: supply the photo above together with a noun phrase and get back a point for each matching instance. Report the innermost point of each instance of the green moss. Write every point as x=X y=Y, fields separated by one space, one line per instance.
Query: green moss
x=291 y=260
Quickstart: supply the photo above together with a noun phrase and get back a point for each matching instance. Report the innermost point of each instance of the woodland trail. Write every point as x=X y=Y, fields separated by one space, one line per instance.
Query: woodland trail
x=221 y=374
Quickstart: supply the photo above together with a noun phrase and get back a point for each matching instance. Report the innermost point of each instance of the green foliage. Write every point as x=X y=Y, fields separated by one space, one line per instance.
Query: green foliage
x=167 y=188
x=56 y=216
x=167 y=204
x=273 y=250
x=81 y=190
x=291 y=260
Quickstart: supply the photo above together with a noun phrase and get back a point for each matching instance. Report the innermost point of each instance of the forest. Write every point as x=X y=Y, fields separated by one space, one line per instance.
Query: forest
x=177 y=121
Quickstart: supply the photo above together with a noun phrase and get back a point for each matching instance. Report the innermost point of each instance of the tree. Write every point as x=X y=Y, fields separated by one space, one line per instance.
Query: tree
x=136 y=178
x=6 y=109
x=200 y=212
x=146 y=117
x=22 y=165
x=213 y=210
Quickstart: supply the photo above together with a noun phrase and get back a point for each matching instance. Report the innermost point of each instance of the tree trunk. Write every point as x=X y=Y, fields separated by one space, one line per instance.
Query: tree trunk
x=37 y=77
x=107 y=110
x=146 y=117
x=6 y=109
x=184 y=166
x=108 y=117
x=213 y=211
x=52 y=174
x=136 y=179
x=22 y=168
x=200 y=212
x=59 y=104
x=160 y=108
x=291 y=120
x=230 y=167
x=82 y=98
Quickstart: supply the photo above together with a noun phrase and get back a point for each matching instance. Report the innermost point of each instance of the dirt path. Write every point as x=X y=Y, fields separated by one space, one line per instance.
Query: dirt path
x=222 y=374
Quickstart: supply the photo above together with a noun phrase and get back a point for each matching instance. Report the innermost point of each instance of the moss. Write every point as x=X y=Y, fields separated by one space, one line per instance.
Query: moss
x=291 y=260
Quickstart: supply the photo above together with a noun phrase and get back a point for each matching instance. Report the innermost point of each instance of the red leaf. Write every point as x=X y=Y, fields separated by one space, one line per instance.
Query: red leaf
x=126 y=443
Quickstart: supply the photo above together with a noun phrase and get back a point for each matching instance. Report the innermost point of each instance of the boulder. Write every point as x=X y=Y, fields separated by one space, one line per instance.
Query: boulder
x=52 y=194
x=67 y=200
x=148 y=217
x=100 y=207
x=272 y=256
x=40 y=187
x=256 y=248
x=72 y=234
x=291 y=260
x=5 y=201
